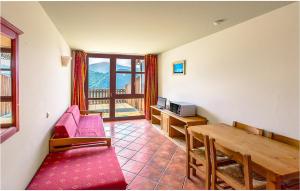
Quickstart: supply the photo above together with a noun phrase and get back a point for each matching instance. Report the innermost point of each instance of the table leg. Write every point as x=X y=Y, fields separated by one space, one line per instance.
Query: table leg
x=273 y=182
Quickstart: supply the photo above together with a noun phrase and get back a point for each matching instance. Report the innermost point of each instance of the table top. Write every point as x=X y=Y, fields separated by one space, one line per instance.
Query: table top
x=274 y=156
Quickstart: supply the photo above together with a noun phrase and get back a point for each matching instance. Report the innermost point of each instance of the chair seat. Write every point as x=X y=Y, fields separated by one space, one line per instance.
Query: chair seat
x=90 y=168
x=200 y=151
x=236 y=172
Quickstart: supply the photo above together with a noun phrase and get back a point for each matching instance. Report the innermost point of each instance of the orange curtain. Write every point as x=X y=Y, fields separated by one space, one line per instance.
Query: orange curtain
x=151 y=84
x=79 y=69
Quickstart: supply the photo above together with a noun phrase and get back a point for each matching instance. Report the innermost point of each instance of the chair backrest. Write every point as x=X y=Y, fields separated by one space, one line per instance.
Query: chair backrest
x=247 y=128
x=283 y=139
x=202 y=139
x=244 y=160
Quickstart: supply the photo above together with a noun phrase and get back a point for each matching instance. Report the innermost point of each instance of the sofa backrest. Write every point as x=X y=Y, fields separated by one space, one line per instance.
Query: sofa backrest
x=65 y=127
x=74 y=110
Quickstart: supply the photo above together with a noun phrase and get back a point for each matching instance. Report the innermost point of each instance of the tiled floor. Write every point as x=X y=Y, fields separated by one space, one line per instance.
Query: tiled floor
x=148 y=159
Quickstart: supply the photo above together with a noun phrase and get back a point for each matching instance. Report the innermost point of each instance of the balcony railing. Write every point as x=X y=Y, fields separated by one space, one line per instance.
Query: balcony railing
x=137 y=103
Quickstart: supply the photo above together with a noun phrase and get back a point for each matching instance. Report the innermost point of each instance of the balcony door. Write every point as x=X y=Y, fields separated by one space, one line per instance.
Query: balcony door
x=115 y=85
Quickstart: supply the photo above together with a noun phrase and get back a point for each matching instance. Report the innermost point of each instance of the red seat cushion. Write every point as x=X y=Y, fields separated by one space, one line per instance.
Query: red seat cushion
x=74 y=110
x=84 y=169
x=90 y=126
x=65 y=127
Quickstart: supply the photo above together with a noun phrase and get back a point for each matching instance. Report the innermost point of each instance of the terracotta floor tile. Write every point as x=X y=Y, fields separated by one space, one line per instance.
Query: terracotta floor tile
x=126 y=153
x=134 y=146
x=133 y=166
x=135 y=134
x=125 y=132
x=122 y=143
x=118 y=136
x=167 y=187
x=141 y=140
x=129 y=138
x=118 y=149
x=178 y=169
x=194 y=184
x=141 y=183
x=151 y=173
x=122 y=160
x=148 y=159
x=142 y=157
x=164 y=154
x=173 y=180
x=128 y=176
x=149 y=150
x=159 y=162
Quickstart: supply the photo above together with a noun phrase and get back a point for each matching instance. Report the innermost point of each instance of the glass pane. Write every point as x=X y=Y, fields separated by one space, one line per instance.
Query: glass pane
x=99 y=77
x=139 y=65
x=5 y=45
x=129 y=107
x=123 y=83
x=100 y=106
x=5 y=113
x=5 y=82
x=139 y=83
x=123 y=65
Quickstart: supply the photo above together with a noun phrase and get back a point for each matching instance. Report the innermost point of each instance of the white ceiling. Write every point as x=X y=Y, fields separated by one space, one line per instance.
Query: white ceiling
x=146 y=27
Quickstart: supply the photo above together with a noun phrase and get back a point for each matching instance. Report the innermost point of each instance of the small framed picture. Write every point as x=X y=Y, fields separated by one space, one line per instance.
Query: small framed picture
x=179 y=67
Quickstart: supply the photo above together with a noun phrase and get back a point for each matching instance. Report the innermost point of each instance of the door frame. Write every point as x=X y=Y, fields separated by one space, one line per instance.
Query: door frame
x=113 y=96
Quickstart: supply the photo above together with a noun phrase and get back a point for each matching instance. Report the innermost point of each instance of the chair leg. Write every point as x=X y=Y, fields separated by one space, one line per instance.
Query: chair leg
x=213 y=180
x=188 y=168
x=207 y=177
x=194 y=170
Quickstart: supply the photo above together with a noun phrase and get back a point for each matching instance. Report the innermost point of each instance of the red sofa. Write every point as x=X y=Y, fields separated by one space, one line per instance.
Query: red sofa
x=80 y=157
x=74 y=129
x=73 y=124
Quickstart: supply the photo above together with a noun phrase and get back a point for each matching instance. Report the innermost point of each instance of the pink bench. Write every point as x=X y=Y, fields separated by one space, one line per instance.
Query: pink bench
x=80 y=157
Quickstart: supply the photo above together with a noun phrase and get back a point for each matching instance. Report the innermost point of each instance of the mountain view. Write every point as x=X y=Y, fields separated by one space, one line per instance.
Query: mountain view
x=99 y=76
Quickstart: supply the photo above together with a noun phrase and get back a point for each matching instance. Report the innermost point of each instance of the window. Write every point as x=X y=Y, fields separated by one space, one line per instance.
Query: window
x=9 y=99
x=116 y=85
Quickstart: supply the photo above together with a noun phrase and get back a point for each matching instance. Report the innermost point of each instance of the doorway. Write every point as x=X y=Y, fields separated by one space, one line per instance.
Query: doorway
x=115 y=85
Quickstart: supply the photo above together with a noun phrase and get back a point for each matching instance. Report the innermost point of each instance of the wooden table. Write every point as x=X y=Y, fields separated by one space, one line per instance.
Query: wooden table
x=275 y=160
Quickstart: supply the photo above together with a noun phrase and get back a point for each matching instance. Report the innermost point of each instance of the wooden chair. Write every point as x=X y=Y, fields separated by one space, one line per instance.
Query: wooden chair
x=198 y=155
x=286 y=140
x=245 y=127
x=238 y=175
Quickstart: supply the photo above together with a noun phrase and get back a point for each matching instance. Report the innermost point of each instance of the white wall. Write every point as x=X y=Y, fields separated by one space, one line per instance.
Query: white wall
x=44 y=87
x=249 y=73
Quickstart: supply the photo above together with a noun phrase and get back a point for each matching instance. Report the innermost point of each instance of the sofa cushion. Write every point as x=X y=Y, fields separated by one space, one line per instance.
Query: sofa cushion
x=74 y=110
x=65 y=127
x=90 y=126
x=84 y=169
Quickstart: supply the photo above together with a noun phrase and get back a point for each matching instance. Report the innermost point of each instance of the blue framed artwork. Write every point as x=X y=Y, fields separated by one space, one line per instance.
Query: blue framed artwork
x=179 y=67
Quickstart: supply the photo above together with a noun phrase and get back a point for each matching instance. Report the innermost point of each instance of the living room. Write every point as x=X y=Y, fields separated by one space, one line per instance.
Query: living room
x=128 y=65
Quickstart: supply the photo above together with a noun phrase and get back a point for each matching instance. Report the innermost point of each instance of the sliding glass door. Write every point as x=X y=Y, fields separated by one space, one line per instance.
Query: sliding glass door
x=115 y=85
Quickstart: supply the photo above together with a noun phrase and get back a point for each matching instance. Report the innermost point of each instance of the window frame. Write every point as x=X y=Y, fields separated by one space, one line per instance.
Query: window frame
x=8 y=29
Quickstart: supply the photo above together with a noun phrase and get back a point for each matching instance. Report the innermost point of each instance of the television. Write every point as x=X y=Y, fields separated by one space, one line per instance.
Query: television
x=161 y=102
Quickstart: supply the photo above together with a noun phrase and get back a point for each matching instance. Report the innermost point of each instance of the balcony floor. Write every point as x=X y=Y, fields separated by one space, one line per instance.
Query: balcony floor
x=122 y=110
